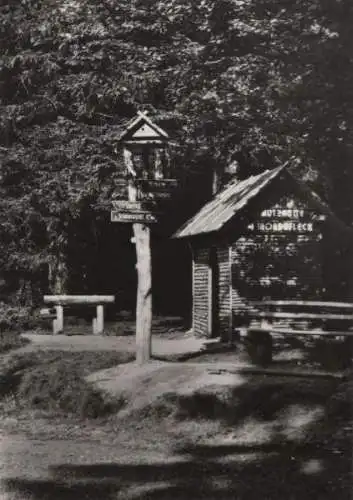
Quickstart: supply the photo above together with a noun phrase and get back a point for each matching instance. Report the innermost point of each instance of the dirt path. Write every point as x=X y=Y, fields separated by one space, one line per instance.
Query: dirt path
x=30 y=454
x=234 y=448
x=161 y=345
x=100 y=467
x=46 y=467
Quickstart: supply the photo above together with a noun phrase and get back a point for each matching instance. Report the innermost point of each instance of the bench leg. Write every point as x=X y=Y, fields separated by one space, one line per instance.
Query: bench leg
x=259 y=347
x=58 y=322
x=98 y=322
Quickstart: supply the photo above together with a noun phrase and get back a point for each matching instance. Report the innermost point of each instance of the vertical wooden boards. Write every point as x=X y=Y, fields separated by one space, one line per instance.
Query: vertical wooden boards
x=230 y=291
x=200 y=291
x=210 y=301
x=193 y=289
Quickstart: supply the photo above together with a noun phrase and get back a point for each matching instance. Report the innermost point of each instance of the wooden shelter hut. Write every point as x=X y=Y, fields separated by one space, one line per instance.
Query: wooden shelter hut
x=265 y=237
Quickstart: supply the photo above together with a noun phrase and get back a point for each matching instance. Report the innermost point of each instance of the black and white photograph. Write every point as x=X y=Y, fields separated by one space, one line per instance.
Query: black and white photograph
x=176 y=249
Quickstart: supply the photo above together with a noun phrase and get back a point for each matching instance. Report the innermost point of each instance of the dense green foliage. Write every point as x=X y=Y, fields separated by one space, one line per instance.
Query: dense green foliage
x=255 y=82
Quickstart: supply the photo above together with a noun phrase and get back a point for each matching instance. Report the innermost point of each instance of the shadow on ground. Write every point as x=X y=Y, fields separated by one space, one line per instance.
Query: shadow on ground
x=277 y=469
x=208 y=473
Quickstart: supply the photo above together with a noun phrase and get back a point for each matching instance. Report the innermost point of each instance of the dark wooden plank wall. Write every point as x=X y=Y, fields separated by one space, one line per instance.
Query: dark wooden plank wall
x=275 y=267
x=278 y=265
x=238 y=300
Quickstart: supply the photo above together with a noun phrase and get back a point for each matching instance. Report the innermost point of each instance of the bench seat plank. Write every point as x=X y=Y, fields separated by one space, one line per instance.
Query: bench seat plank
x=69 y=300
x=289 y=331
x=299 y=315
x=78 y=299
x=319 y=319
x=304 y=303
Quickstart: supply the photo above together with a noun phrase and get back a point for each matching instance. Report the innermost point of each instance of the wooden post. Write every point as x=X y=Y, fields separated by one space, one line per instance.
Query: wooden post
x=98 y=322
x=100 y=318
x=143 y=150
x=144 y=293
x=58 y=323
x=144 y=283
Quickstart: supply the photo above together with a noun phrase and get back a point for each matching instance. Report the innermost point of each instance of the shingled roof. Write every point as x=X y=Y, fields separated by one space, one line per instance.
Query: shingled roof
x=226 y=204
x=236 y=195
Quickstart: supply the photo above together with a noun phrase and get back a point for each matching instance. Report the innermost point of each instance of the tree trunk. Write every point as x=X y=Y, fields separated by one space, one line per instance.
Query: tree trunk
x=58 y=275
x=144 y=293
x=24 y=293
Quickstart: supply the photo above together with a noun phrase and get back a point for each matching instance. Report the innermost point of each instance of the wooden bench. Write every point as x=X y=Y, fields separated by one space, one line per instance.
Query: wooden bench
x=268 y=319
x=60 y=301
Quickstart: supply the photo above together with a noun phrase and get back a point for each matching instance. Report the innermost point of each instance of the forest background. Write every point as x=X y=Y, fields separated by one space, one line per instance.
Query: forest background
x=249 y=82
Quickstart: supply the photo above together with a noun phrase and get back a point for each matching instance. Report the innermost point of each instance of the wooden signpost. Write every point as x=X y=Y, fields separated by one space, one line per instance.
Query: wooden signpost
x=133 y=217
x=134 y=211
x=153 y=196
x=133 y=206
x=156 y=185
x=143 y=139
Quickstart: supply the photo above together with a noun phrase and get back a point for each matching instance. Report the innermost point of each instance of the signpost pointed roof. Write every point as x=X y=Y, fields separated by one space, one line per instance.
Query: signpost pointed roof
x=142 y=128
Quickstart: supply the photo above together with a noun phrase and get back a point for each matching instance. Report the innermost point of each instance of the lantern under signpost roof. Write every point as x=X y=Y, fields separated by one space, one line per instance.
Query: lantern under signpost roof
x=145 y=149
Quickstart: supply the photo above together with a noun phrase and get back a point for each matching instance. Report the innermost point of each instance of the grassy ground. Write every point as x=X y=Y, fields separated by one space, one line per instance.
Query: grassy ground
x=10 y=340
x=93 y=425
x=55 y=381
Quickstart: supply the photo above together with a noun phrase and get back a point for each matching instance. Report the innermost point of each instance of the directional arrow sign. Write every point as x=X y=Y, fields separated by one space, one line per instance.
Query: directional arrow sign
x=156 y=184
x=131 y=217
x=158 y=195
x=135 y=206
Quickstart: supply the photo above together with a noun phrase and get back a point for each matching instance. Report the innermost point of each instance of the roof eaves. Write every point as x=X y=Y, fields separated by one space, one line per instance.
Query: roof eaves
x=189 y=229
